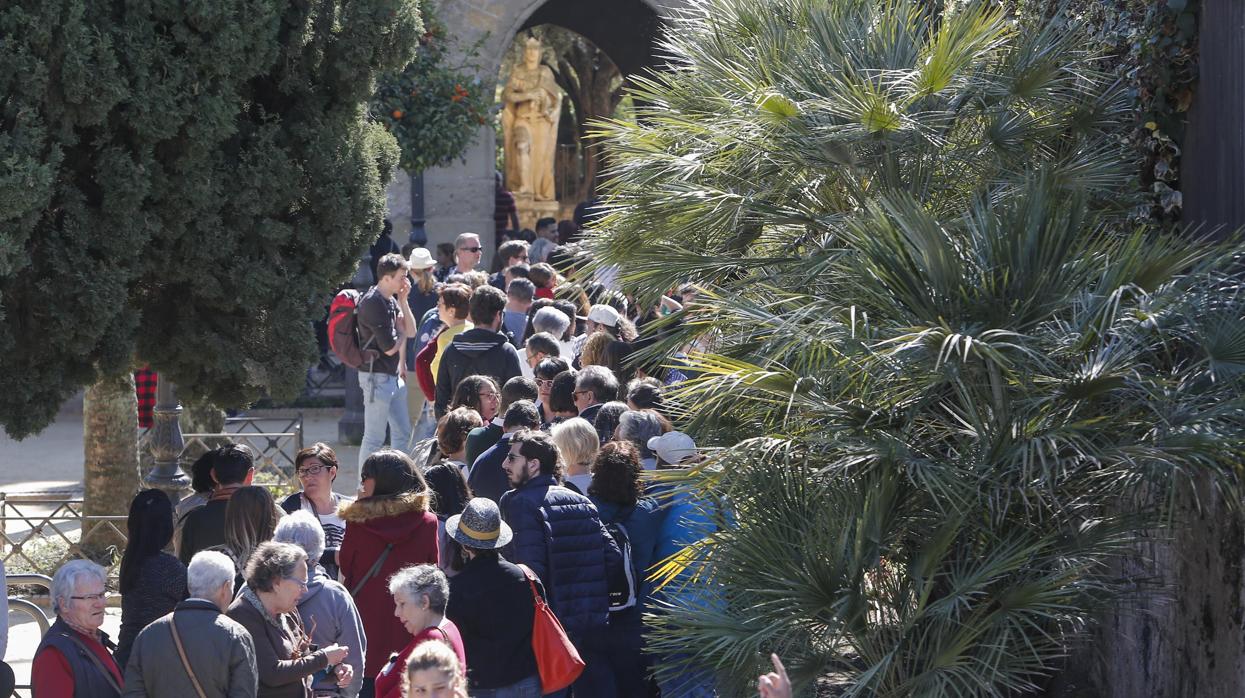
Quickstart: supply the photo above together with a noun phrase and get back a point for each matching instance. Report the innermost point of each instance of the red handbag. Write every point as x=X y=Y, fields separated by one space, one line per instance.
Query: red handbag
x=557 y=660
x=423 y=369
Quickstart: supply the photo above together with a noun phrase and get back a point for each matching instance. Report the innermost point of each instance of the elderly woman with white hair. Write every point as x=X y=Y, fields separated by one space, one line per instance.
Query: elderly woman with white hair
x=420 y=594
x=75 y=656
x=327 y=609
x=639 y=427
x=196 y=646
x=276 y=576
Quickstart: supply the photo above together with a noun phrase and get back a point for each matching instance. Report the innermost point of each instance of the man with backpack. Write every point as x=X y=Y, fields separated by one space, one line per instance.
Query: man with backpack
x=559 y=535
x=384 y=322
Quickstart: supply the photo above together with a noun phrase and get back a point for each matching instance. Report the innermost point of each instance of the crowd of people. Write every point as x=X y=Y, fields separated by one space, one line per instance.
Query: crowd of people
x=502 y=467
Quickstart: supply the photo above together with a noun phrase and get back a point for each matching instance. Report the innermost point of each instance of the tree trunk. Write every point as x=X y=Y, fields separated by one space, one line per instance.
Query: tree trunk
x=1181 y=634
x=111 y=475
x=1188 y=639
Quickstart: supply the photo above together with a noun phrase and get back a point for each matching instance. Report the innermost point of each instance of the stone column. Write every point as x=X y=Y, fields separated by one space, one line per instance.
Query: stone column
x=167 y=443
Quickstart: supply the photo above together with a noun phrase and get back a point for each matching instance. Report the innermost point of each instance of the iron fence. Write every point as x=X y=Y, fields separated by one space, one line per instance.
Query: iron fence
x=326 y=379
x=274 y=440
x=40 y=531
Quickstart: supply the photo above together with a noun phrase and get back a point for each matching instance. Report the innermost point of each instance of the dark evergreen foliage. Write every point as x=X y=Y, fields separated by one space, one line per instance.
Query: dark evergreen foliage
x=182 y=183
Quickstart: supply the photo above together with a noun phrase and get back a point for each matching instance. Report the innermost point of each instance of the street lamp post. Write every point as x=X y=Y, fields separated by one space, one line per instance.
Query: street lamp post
x=167 y=443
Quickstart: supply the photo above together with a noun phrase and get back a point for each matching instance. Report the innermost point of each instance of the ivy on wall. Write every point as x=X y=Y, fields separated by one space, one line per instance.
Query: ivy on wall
x=1150 y=46
x=1166 y=80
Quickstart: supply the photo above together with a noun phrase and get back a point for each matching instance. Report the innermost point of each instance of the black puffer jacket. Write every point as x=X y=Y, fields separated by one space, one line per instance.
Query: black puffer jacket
x=478 y=351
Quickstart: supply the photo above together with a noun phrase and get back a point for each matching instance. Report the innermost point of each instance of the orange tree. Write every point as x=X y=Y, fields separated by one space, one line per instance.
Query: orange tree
x=436 y=105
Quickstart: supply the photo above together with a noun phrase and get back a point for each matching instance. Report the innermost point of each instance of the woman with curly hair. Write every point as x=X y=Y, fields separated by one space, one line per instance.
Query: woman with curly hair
x=618 y=493
x=448 y=477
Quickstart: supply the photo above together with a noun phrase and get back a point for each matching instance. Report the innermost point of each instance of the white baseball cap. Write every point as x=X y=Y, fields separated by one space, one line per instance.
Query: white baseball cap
x=673 y=447
x=604 y=315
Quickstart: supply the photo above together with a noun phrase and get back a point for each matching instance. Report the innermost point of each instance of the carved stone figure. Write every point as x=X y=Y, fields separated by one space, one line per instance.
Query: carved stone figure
x=532 y=105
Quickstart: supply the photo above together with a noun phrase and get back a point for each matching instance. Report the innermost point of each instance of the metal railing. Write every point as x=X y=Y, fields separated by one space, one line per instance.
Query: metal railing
x=274 y=440
x=40 y=531
x=326 y=379
x=17 y=603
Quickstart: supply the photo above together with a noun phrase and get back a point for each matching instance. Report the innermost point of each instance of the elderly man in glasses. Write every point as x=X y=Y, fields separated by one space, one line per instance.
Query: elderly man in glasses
x=75 y=656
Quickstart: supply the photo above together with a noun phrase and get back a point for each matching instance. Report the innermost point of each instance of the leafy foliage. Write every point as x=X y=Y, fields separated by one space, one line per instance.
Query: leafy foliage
x=1152 y=47
x=942 y=367
x=183 y=183
x=433 y=107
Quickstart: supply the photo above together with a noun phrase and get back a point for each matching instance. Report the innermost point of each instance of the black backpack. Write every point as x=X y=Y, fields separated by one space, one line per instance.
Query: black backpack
x=620 y=578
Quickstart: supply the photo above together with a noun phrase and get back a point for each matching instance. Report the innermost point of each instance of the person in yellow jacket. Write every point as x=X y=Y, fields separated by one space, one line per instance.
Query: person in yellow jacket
x=452 y=307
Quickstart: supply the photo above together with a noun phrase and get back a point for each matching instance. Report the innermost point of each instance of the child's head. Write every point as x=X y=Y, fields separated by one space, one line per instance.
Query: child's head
x=433 y=672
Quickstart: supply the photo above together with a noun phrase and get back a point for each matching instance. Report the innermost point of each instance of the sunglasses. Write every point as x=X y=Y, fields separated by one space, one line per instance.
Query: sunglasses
x=470 y=249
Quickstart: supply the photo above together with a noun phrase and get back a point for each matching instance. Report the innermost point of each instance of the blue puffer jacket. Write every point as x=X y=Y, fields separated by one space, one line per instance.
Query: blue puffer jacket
x=559 y=535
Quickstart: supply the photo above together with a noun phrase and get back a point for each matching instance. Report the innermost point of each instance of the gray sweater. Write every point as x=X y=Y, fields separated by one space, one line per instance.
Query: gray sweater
x=219 y=650
x=330 y=617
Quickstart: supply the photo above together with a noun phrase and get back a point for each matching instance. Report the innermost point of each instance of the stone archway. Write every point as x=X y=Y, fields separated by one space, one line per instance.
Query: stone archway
x=459 y=198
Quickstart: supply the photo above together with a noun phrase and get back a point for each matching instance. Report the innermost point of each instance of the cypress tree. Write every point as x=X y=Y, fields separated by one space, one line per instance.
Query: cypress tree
x=182 y=183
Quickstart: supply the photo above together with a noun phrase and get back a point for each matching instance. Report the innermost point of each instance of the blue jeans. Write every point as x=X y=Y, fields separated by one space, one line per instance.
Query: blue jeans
x=384 y=402
x=526 y=688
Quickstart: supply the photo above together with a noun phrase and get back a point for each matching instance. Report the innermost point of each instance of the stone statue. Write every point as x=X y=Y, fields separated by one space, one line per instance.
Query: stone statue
x=532 y=103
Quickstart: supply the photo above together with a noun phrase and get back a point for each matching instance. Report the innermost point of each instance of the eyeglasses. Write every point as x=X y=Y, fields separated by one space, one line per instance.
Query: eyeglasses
x=470 y=249
x=312 y=470
x=89 y=597
x=511 y=457
x=582 y=392
x=302 y=583
x=490 y=395
x=544 y=382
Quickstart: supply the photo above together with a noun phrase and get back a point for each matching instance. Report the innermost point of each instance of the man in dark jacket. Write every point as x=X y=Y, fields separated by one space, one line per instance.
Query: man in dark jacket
x=487 y=477
x=594 y=386
x=203 y=528
x=559 y=535
x=220 y=651
x=482 y=351
x=510 y=253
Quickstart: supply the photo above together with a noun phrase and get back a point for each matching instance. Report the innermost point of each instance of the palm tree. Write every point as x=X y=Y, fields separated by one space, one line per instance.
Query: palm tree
x=950 y=383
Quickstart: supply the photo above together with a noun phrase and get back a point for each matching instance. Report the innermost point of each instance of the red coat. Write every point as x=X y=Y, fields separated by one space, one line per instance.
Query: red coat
x=371 y=524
